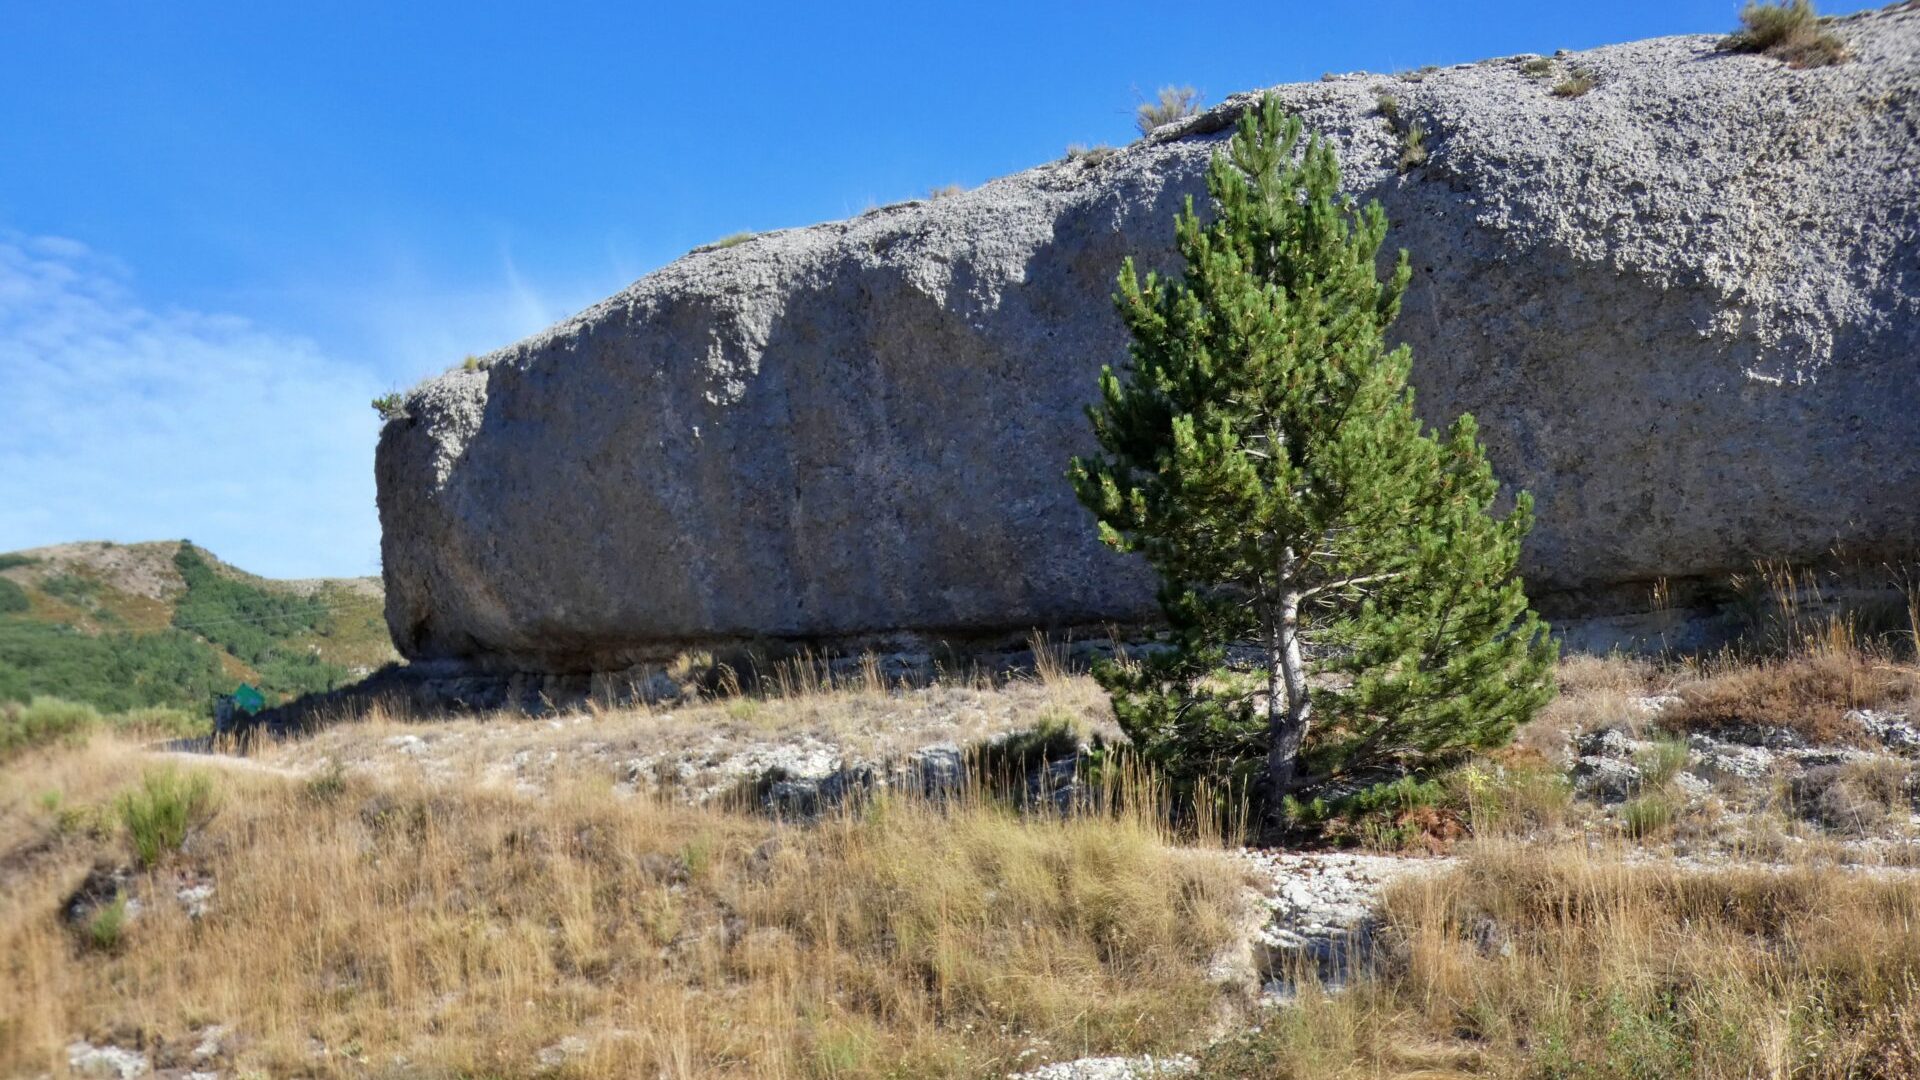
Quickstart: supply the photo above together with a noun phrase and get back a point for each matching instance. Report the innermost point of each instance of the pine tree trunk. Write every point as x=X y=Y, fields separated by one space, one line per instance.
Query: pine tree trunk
x=1288 y=714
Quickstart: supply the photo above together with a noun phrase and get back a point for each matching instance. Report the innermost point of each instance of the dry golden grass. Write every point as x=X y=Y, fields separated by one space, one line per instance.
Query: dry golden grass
x=691 y=742
x=1582 y=673
x=1808 y=693
x=397 y=928
x=1570 y=962
x=1596 y=694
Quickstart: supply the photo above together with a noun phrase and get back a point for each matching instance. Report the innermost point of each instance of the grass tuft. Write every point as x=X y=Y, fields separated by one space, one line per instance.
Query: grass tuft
x=106 y=927
x=1789 y=30
x=1173 y=103
x=1413 y=147
x=1651 y=815
x=1089 y=156
x=1576 y=84
x=160 y=814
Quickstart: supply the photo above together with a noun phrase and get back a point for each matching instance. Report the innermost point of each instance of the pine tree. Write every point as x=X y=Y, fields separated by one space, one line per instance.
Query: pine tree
x=1343 y=604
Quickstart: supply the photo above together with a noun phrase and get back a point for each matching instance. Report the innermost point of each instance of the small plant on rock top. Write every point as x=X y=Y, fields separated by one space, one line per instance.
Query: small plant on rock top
x=1173 y=103
x=1576 y=84
x=1089 y=156
x=1789 y=30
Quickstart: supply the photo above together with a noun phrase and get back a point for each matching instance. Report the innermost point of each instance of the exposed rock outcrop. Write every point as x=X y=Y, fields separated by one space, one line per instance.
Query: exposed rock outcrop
x=1683 y=307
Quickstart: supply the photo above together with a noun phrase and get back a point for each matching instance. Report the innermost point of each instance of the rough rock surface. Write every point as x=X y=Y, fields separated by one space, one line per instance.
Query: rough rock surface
x=1322 y=913
x=1682 y=306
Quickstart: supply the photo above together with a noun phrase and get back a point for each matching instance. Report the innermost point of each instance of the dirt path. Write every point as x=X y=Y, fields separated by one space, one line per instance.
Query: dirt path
x=193 y=752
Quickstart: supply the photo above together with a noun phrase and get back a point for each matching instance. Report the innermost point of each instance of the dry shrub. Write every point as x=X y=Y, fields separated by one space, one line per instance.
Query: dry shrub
x=1172 y=103
x=1858 y=797
x=1549 y=735
x=1808 y=694
x=417 y=930
x=1582 y=673
x=1570 y=962
x=1089 y=156
x=1595 y=694
x=1576 y=84
x=1788 y=31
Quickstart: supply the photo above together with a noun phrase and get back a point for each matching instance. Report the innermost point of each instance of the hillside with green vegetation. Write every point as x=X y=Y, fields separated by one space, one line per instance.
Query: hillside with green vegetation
x=167 y=625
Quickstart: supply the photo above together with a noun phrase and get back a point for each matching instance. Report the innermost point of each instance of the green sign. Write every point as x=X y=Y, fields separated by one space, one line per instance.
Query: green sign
x=248 y=700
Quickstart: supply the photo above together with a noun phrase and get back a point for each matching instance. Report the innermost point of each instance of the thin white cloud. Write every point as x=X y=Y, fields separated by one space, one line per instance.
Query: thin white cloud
x=410 y=326
x=125 y=423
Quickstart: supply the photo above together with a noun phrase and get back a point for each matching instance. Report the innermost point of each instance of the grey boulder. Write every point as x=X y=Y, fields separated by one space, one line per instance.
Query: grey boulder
x=1682 y=307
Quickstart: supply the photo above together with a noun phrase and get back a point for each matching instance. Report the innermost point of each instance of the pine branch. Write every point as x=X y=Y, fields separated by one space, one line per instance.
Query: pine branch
x=1348 y=583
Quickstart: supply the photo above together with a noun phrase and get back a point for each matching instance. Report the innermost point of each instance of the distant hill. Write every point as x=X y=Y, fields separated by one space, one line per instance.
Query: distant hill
x=126 y=626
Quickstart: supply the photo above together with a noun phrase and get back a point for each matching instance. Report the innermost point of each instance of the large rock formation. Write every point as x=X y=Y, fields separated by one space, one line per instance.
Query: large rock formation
x=1683 y=307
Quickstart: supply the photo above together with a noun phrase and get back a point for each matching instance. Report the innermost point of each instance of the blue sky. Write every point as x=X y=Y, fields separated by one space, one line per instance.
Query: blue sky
x=225 y=227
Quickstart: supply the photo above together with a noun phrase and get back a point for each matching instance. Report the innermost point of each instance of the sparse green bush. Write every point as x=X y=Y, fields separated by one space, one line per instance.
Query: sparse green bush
x=1661 y=762
x=43 y=721
x=1789 y=30
x=163 y=810
x=1394 y=815
x=1173 y=103
x=329 y=783
x=1537 y=68
x=471 y=363
x=390 y=406
x=1413 y=147
x=1514 y=798
x=1649 y=815
x=730 y=240
x=13 y=598
x=1388 y=107
x=107 y=925
x=1574 y=85
x=13 y=558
